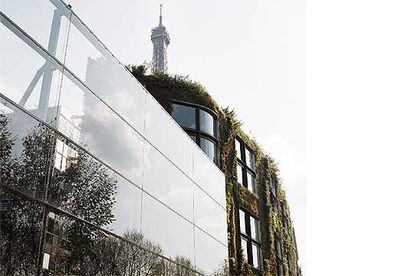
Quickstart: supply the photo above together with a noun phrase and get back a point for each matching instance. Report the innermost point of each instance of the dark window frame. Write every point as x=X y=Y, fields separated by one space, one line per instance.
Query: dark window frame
x=249 y=239
x=279 y=254
x=273 y=193
x=245 y=168
x=197 y=132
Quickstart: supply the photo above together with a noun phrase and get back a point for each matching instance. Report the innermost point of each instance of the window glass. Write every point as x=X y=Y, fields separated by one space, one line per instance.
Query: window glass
x=194 y=138
x=281 y=270
x=256 y=255
x=184 y=115
x=250 y=162
x=208 y=147
x=239 y=174
x=273 y=186
x=254 y=226
x=244 y=247
x=278 y=248
x=251 y=182
x=242 y=222
x=237 y=147
x=207 y=123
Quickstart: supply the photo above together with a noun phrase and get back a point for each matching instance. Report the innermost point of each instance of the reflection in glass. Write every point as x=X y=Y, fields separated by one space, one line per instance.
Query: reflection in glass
x=254 y=225
x=250 y=161
x=33 y=81
x=209 y=148
x=210 y=255
x=255 y=255
x=244 y=247
x=20 y=232
x=251 y=182
x=184 y=115
x=239 y=174
x=237 y=147
x=207 y=123
x=242 y=222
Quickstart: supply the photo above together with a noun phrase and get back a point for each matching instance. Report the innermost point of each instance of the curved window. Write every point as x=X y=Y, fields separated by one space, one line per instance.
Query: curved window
x=184 y=115
x=207 y=123
x=209 y=148
x=201 y=124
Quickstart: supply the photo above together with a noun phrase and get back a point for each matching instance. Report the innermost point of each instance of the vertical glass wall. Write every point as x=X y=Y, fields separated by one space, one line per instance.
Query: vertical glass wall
x=96 y=178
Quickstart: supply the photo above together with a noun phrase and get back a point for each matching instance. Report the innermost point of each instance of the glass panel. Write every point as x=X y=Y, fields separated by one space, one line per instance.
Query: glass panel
x=281 y=273
x=28 y=78
x=210 y=216
x=239 y=174
x=207 y=123
x=184 y=115
x=278 y=248
x=251 y=183
x=273 y=187
x=237 y=147
x=20 y=232
x=209 y=148
x=46 y=21
x=256 y=255
x=165 y=134
x=244 y=248
x=250 y=161
x=169 y=185
x=210 y=255
x=93 y=192
x=242 y=220
x=105 y=76
x=255 y=230
x=80 y=249
x=100 y=130
x=209 y=177
x=25 y=147
x=167 y=231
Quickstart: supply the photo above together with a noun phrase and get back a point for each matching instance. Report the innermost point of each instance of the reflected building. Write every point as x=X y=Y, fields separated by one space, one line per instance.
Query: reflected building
x=96 y=177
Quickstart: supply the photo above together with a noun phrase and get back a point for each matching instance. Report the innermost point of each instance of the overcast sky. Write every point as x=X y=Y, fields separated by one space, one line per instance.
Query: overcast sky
x=250 y=55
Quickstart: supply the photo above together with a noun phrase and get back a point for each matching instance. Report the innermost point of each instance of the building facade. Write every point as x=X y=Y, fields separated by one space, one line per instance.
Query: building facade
x=96 y=178
x=261 y=238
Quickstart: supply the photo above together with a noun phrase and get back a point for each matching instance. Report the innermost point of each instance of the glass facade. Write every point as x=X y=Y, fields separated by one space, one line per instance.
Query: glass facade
x=201 y=124
x=96 y=177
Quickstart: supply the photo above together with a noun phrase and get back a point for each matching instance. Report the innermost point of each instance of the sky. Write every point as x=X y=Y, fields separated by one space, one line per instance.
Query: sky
x=250 y=55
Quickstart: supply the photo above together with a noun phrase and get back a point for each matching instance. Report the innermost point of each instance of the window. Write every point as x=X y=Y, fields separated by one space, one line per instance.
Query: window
x=246 y=166
x=250 y=239
x=209 y=148
x=273 y=195
x=207 y=123
x=250 y=161
x=239 y=174
x=184 y=115
x=279 y=261
x=201 y=124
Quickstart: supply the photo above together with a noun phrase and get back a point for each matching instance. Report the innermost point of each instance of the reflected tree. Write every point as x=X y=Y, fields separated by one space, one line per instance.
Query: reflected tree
x=86 y=189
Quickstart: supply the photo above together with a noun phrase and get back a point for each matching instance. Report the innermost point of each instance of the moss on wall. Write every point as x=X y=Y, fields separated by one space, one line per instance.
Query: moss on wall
x=166 y=88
